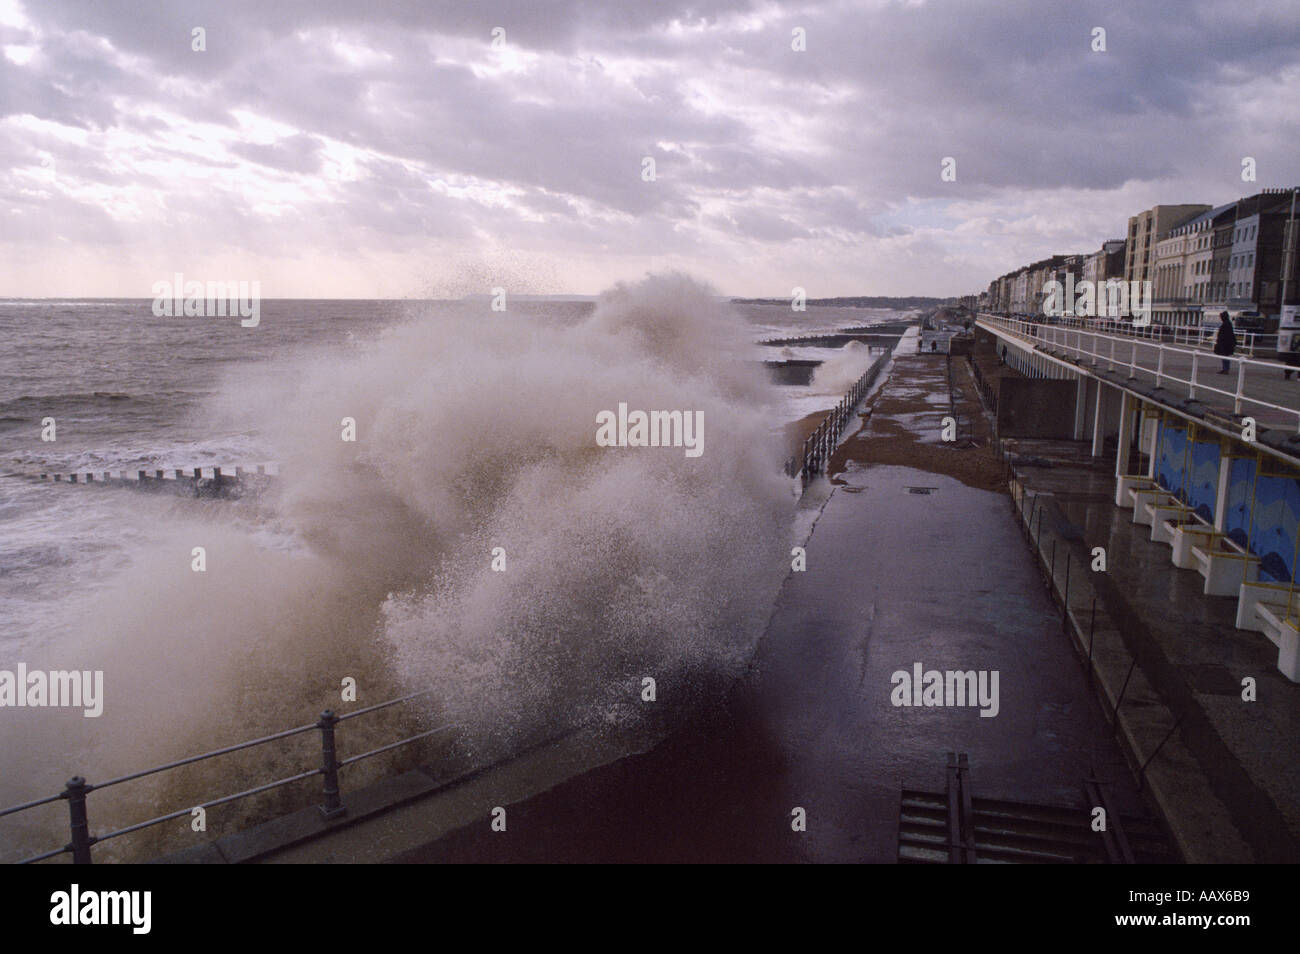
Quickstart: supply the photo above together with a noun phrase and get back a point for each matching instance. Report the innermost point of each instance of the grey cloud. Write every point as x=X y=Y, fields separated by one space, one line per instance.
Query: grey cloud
x=883 y=93
x=299 y=153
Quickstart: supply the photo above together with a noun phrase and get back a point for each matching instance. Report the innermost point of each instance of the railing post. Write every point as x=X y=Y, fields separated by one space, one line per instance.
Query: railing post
x=1065 y=603
x=1160 y=366
x=1191 y=385
x=1241 y=387
x=333 y=807
x=75 y=792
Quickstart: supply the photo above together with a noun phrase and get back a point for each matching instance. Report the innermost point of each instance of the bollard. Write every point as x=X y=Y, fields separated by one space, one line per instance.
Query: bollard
x=75 y=792
x=332 y=808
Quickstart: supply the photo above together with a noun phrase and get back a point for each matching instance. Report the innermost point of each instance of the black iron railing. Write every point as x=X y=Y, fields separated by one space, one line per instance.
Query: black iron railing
x=77 y=789
x=819 y=446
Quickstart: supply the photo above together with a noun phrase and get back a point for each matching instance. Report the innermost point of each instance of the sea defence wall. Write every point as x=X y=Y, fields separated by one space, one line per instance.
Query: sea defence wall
x=1028 y=407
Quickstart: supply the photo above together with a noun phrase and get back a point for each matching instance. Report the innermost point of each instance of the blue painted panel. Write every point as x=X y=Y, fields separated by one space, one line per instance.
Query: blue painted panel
x=1236 y=521
x=1277 y=508
x=1203 y=479
x=1169 y=465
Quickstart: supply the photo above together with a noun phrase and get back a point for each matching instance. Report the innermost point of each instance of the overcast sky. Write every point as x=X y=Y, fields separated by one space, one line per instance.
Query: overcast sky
x=377 y=148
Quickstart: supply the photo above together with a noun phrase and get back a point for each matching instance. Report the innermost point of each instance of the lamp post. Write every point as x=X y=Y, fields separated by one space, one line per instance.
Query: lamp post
x=1285 y=338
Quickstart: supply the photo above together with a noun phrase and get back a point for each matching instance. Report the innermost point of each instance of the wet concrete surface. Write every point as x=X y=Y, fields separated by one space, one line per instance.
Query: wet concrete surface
x=894 y=578
x=1223 y=769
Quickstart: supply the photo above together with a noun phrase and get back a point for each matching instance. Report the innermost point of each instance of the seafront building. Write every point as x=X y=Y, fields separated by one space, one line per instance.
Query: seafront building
x=1105 y=263
x=1199 y=260
x=1144 y=232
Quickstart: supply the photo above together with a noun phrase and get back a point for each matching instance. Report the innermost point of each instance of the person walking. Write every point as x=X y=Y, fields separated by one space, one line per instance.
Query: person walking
x=1226 y=341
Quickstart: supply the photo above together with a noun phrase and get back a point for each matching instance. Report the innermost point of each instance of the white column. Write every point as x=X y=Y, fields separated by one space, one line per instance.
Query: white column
x=1153 y=435
x=1221 y=493
x=1099 y=422
x=1125 y=433
x=1080 y=406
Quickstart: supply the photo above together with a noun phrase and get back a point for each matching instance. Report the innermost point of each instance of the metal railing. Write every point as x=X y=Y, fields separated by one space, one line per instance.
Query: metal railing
x=819 y=445
x=1142 y=357
x=1251 y=343
x=77 y=789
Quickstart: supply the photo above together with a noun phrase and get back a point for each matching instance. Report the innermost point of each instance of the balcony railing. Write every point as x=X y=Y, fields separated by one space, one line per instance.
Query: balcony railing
x=1164 y=363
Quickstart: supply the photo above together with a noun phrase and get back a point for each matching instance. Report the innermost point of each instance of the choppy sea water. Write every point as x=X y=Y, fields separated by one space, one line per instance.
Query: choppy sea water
x=476 y=432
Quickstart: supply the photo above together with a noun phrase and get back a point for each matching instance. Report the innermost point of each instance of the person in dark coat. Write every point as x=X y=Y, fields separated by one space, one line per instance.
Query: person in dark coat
x=1226 y=341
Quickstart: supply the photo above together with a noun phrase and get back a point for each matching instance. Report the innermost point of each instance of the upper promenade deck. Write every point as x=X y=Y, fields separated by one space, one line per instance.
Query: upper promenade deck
x=1184 y=368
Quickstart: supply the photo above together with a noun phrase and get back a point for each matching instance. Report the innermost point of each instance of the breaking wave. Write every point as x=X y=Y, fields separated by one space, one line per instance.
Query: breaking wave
x=475 y=443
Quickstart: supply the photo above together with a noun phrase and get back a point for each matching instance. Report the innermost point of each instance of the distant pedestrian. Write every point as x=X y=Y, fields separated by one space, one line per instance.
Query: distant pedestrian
x=1226 y=342
x=1003 y=359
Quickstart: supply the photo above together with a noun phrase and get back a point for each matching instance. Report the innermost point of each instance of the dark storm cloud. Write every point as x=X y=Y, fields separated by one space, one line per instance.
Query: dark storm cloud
x=397 y=118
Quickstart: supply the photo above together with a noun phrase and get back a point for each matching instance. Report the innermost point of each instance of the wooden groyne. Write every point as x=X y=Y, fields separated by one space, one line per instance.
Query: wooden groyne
x=180 y=482
x=833 y=339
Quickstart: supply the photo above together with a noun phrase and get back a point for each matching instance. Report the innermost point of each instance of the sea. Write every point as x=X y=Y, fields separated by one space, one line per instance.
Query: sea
x=472 y=541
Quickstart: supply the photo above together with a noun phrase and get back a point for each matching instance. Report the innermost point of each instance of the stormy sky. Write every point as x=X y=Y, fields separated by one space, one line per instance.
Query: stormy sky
x=339 y=148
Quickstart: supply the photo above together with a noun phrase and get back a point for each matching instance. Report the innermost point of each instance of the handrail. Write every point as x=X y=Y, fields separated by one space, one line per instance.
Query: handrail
x=77 y=788
x=1253 y=341
x=818 y=446
x=1060 y=337
x=207 y=755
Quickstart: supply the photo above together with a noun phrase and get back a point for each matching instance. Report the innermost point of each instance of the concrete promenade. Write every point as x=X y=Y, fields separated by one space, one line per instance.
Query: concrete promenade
x=920 y=551
x=895 y=577
x=1169 y=664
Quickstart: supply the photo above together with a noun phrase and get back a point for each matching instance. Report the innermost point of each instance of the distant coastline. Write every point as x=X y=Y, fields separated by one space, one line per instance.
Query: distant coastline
x=869 y=301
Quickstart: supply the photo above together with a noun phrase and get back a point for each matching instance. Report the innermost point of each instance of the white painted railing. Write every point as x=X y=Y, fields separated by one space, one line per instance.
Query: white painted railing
x=1163 y=362
x=1249 y=342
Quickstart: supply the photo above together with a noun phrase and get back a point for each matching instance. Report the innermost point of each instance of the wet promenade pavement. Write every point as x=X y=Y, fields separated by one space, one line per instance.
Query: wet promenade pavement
x=894 y=578
x=1223 y=769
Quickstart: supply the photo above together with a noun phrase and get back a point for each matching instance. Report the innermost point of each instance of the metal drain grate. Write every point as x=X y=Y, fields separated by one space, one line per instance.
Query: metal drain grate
x=921 y=490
